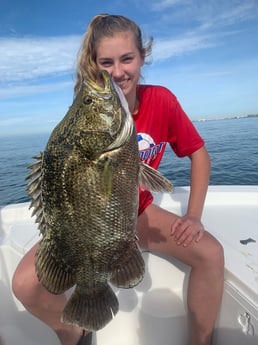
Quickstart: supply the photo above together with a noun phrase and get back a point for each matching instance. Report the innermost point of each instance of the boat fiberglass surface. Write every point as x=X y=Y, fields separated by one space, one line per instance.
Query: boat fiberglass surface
x=154 y=311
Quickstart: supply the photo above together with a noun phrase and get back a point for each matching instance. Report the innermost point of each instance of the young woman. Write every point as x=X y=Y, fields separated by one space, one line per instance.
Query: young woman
x=114 y=43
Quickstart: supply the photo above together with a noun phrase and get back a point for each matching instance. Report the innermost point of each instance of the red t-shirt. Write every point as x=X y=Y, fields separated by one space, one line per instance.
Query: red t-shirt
x=160 y=120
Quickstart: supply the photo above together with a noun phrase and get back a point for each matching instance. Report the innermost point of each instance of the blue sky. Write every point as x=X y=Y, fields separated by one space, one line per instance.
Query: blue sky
x=206 y=52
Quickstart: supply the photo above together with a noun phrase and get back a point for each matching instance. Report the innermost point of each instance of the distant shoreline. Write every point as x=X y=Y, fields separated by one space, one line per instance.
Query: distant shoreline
x=226 y=118
x=47 y=132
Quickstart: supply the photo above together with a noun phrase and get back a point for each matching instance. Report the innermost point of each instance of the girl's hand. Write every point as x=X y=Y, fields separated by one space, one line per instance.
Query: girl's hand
x=187 y=229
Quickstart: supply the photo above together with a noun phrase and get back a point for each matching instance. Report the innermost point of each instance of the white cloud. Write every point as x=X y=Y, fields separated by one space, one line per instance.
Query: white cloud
x=33 y=57
x=201 y=24
x=164 y=4
x=240 y=12
x=165 y=49
x=23 y=60
x=223 y=14
x=204 y=14
x=30 y=89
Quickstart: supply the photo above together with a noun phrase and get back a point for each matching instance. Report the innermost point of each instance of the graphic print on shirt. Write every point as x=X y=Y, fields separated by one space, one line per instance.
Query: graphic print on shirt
x=148 y=149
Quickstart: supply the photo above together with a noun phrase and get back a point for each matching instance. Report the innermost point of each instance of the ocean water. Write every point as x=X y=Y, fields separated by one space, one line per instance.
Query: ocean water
x=232 y=145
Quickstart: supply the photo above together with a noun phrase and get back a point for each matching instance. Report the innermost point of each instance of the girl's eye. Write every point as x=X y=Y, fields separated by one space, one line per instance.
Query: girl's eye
x=87 y=100
x=106 y=63
x=128 y=59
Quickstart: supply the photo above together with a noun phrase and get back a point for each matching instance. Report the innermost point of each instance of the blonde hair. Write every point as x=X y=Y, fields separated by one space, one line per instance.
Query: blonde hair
x=104 y=25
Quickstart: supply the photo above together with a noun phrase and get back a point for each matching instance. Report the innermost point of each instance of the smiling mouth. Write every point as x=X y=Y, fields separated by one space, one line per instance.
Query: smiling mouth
x=121 y=83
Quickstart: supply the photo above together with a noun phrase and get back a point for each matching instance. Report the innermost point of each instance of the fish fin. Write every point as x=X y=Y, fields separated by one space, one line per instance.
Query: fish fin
x=91 y=310
x=55 y=276
x=34 y=191
x=107 y=177
x=131 y=269
x=151 y=179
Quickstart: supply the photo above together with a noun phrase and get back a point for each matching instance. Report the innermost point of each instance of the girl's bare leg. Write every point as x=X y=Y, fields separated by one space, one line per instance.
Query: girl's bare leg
x=154 y=228
x=40 y=303
x=207 y=274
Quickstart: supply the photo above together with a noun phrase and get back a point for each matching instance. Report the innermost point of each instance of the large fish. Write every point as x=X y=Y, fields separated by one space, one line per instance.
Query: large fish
x=84 y=190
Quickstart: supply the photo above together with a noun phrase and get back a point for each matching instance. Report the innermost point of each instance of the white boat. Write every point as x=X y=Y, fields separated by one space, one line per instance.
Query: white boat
x=155 y=311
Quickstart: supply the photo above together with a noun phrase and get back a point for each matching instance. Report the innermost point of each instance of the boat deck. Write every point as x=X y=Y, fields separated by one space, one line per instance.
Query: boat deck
x=155 y=311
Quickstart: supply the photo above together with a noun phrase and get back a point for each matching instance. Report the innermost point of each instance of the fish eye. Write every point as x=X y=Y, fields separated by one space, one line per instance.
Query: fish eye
x=87 y=100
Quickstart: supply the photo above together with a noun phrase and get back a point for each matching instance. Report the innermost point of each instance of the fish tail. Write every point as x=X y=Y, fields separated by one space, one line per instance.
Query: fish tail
x=91 y=311
x=131 y=269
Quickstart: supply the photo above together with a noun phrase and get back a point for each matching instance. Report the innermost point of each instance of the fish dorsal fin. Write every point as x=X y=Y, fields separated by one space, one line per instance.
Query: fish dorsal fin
x=128 y=126
x=151 y=179
x=34 y=191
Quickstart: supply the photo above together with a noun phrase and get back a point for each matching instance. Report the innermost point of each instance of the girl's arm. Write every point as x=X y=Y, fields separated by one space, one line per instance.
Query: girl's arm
x=189 y=227
x=199 y=181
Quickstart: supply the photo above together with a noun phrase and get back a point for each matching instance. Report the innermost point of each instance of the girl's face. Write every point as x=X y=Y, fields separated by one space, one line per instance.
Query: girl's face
x=120 y=56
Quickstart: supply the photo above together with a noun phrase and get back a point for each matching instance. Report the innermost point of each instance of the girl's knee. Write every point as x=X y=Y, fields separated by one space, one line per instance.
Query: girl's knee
x=211 y=253
x=21 y=286
x=18 y=286
x=26 y=288
x=216 y=257
x=25 y=281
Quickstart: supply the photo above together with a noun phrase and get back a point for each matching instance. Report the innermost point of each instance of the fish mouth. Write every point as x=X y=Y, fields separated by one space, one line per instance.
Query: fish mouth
x=104 y=87
x=106 y=90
